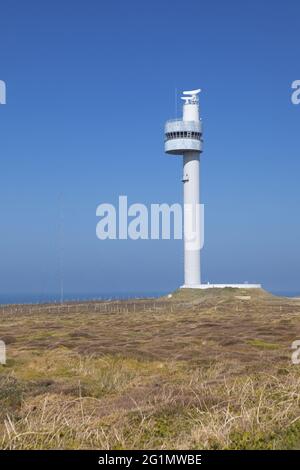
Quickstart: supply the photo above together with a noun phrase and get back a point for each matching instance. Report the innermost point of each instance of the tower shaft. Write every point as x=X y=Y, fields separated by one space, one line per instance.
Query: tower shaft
x=191 y=214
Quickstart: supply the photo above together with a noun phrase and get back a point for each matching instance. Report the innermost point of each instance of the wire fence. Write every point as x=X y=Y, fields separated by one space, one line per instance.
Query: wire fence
x=114 y=306
x=108 y=307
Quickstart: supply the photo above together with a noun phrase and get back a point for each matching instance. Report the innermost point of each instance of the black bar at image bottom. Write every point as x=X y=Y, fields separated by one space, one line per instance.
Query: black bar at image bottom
x=133 y=459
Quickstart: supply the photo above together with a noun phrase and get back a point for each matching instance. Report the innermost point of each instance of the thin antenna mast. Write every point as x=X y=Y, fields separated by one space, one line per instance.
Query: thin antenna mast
x=61 y=248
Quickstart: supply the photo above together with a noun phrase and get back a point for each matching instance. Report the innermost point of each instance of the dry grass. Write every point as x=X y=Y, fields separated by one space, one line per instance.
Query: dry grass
x=215 y=374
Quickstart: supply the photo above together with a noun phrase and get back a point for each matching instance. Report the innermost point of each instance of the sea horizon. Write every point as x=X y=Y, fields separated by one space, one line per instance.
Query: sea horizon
x=37 y=298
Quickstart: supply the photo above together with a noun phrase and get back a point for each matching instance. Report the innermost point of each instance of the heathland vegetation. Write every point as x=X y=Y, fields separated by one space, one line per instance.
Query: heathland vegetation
x=208 y=370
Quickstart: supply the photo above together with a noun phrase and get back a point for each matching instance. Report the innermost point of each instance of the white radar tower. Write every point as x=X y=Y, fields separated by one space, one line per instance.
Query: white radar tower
x=184 y=137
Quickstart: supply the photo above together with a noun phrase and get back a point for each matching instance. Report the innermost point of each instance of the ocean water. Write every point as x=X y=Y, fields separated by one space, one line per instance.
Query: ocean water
x=26 y=298
x=286 y=293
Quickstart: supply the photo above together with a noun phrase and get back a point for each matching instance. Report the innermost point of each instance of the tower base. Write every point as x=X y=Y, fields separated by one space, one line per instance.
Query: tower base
x=223 y=286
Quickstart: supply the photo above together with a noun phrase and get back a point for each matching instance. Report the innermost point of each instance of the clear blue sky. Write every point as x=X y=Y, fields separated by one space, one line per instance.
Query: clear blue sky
x=90 y=84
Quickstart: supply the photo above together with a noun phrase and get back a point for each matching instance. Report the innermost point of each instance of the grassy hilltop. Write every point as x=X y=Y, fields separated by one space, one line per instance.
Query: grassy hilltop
x=204 y=369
